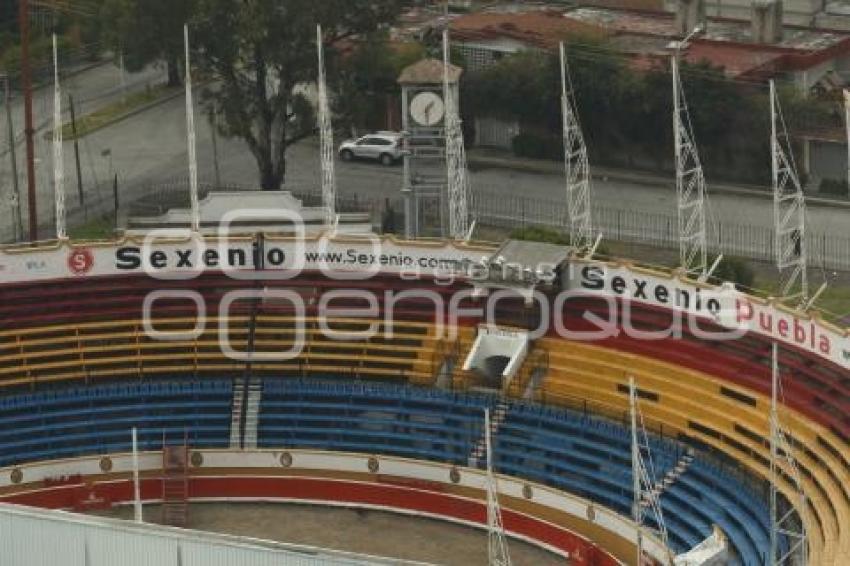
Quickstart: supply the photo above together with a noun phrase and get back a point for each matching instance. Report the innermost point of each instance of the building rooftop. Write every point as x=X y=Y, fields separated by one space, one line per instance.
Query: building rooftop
x=428 y=71
x=646 y=36
x=541 y=28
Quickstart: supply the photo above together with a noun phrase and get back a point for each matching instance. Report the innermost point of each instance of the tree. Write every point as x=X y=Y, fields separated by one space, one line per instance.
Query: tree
x=261 y=54
x=367 y=77
x=147 y=31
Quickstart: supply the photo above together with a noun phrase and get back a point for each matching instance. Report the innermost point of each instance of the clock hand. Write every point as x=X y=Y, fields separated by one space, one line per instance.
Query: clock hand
x=428 y=111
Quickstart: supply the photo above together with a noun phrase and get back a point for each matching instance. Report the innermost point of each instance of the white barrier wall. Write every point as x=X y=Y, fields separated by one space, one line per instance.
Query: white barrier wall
x=37 y=537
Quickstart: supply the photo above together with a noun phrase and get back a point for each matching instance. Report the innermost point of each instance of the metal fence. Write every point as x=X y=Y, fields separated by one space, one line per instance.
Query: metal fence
x=499 y=211
x=657 y=229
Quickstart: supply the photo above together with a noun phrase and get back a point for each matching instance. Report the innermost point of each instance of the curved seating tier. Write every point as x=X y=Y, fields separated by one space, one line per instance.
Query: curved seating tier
x=814 y=386
x=97 y=420
x=92 y=350
x=91 y=330
x=574 y=452
x=706 y=412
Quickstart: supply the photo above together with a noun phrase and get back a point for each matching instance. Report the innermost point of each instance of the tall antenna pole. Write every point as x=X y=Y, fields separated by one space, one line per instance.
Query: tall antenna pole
x=459 y=192
x=26 y=84
x=847 y=130
x=497 y=548
x=326 y=139
x=789 y=208
x=58 y=164
x=575 y=164
x=190 y=129
x=787 y=523
x=690 y=181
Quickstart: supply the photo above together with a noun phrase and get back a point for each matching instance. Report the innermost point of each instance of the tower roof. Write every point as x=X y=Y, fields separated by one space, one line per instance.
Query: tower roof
x=428 y=71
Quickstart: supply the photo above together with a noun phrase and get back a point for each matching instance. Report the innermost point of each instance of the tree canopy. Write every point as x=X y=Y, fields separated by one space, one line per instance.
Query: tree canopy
x=261 y=54
x=147 y=31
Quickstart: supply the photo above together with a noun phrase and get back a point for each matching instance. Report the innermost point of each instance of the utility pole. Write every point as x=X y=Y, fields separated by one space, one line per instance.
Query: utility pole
x=26 y=84
x=77 y=153
x=847 y=130
x=213 y=118
x=13 y=158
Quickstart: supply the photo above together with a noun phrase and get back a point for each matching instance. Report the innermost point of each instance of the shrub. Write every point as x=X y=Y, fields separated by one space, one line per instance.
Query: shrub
x=537 y=146
x=833 y=187
x=735 y=270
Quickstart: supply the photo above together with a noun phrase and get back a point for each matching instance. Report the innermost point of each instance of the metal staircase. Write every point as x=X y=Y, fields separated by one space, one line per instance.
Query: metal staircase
x=672 y=475
x=247 y=393
x=444 y=362
x=175 y=483
x=497 y=417
x=252 y=413
x=236 y=412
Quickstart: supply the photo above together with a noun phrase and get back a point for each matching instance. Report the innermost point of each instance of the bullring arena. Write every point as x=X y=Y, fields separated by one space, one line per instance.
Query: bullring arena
x=352 y=373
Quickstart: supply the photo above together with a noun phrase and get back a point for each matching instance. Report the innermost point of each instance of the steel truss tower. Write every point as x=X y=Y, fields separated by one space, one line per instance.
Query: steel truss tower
x=576 y=165
x=643 y=474
x=459 y=190
x=789 y=208
x=690 y=183
x=326 y=139
x=788 y=522
x=58 y=164
x=497 y=548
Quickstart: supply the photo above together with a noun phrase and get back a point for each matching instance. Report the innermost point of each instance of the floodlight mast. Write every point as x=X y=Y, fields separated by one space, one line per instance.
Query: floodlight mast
x=782 y=522
x=58 y=164
x=497 y=548
x=459 y=191
x=690 y=180
x=576 y=167
x=326 y=139
x=789 y=209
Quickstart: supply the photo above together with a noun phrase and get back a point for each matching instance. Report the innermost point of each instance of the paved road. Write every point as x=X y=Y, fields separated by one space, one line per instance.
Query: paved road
x=150 y=148
x=92 y=87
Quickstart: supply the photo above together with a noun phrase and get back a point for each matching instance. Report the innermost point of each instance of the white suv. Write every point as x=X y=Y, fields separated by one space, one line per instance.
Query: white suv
x=384 y=147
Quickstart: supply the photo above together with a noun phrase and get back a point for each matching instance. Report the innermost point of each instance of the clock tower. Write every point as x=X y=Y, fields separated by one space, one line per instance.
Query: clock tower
x=425 y=171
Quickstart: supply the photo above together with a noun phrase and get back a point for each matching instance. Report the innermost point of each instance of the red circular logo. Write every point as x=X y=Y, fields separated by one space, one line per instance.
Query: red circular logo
x=80 y=261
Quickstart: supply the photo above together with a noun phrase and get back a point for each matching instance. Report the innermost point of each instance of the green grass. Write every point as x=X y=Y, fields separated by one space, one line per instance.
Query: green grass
x=111 y=112
x=101 y=228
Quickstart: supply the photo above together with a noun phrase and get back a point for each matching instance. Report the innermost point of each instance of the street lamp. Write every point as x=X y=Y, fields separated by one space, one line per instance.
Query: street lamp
x=679 y=45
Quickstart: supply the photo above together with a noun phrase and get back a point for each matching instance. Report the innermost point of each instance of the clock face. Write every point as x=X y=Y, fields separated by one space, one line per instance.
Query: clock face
x=427 y=108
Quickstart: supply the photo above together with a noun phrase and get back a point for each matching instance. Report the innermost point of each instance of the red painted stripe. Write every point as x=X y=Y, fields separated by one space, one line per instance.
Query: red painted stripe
x=409 y=499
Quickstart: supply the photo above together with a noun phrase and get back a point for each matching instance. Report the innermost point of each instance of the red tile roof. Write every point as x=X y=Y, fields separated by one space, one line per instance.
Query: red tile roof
x=542 y=29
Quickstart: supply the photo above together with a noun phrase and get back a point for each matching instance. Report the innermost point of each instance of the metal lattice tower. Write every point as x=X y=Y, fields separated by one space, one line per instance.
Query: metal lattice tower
x=497 y=547
x=190 y=138
x=326 y=138
x=789 y=208
x=576 y=165
x=643 y=474
x=459 y=190
x=690 y=183
x=786 y=523
x=58 y=164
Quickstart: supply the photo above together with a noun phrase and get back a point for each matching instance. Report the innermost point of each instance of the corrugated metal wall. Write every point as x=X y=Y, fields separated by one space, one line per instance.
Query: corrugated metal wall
x=35 y=537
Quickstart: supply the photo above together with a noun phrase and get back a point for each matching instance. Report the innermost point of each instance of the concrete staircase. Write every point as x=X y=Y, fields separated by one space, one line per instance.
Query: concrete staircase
x=497 y=417
x=245 y=412
x=672 y=475
x=252 y=413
